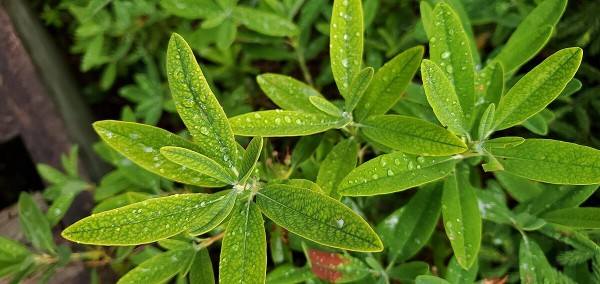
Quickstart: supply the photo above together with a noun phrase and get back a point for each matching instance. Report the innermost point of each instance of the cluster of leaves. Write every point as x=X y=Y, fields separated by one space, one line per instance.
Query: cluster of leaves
x=385 y=134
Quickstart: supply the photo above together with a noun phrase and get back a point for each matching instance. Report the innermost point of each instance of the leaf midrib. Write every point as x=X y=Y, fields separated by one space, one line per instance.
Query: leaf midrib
x=414 y=136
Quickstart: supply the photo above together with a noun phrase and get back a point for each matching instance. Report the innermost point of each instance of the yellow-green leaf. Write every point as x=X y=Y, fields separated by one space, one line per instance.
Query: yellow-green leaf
x=450 y=49
x=197 y=162
x=486 y=122
x=250 y=157
x=389 y=83
x=197 y=105
x=202 y=270
x=411 y=135
x=281 y=123
x=442 y=98
x=394 y=172
x=584 y=217
x=538 y=88
x=551 y=161
x=462 y=219
x=340 y=161
x=317 y=217
x=325 y=106
x=346 y=42
x=141 y=144
x=359 y=85
x=158 y=269
x=287 y=92
x=218 y=211
x=144 y=222
x=244 y=248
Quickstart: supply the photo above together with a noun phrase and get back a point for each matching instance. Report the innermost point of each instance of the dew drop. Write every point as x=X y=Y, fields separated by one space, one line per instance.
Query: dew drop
x=278 y=120
x=390 y=173
x=445 y=54
x=420 y=160
x=410 y=165
x=345 y=62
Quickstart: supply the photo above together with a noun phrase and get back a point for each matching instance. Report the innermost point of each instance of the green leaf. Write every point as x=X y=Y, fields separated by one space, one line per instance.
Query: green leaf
x=141 y=144
x=584 y=217
x=397 y=230
x=346 y=43
x=146 y=221
x=458 y=275
x=244 y=249
x=335 y=267
x=533 y=265
x=557 y=197
x=340 y=161
x=51 y=174
x=202 y=270
x=197 y=105
x=502 y=142
x=359 y=85
x=317 y=217
x=486 y=122
x=429 y=279
x=158 y=269
x=462 y=219
x=197 y=162
x=531 y=35
x=217 y=212
x=281 y=123
x=489 y=86
x=442 y=98
x=34 y=224
x=412 y=135
x=389 y=83
x=408 y=271
x=192 y=9
x=394 y=172
x=519 y=188
x=288 y=273
x=449 y=48
x=304 y=148
x=325 y=106
x=551 y=161
x=250 y=158
x=537 y=88
x=287 y=92
x=63 y=201
x=119 y=201
x=536 y=124
x=264 y=22
x=426 y=16
x=12 y=251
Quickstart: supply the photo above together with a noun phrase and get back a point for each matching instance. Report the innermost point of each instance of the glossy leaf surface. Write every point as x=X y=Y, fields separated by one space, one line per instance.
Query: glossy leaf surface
x=458 y=275
x=159 y=268
x=551 y=161
x=244 y=249
x=486 y=122
x=197 y=162
x=388 y=84
x=141 y=144
x=584 y=217
x=197 y=105
x=359 y=85
x=264 y=22
x=533 y=265
x=218 y=211
x=394 y=172
x=449 y=49
x=442 y=98
x=317 y=217
x=201 y=270
x=250 y=157
x=287 y=92
x=346 y=42
x=325 y=106
x=281 y=123
x=462 y=219
x=340 y=161
x=143 y=222
x=537 y=88
x=411 y=135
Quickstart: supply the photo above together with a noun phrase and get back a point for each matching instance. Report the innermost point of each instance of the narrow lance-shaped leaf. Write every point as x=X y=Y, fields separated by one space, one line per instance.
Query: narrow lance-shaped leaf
x=359 y=85
x=533 y=265
x=346 y=42
x=340 y=161
x=141 y=144
x=158 y=269
x=12 y=251
x=197 y=162
x=394 y=172
x=197 y=105
x=250 y=157
x=450 y=49
x=287 y=92
x=288 y=273
x=411 y=135
x=489 y=88
x=555 y=197
x=317 y=217
x=538 y=88
x=264 y=22
x=244 y=248
x=551 y=161
x=584 y=217
x=397 y=230
x=217 y=212
x=486 y=122
x=143 y=222
x=430 y=279
x=325 y=106
x=426 y=15
x=458 y=275
x=442 y=98
x=202 y=270
x=282 y=123
x=63 y=201
x=34 y=224
x=389 y=83
x=531 y=35
x=462 y=219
